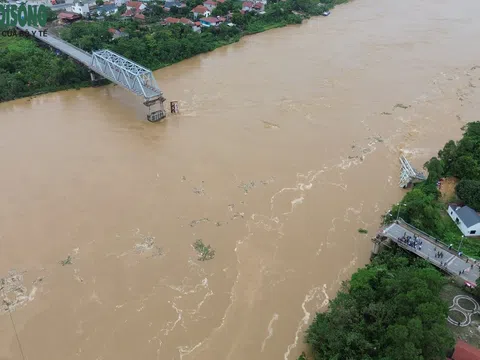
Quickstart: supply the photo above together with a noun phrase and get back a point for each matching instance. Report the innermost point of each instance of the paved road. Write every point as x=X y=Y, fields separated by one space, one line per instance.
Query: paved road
x=454 y=263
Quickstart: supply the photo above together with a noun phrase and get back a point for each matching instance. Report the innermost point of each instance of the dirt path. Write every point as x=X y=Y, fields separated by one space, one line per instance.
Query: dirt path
x=447 y=188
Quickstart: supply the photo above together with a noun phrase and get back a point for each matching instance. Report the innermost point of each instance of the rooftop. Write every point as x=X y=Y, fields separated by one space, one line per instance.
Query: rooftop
x=68 y=16
x=464 y=351
x=200 y=9
x=134 y=4
x=468 y=216
x=210 y=20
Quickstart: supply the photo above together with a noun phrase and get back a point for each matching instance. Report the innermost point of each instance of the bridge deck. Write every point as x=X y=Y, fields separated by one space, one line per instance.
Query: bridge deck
x=66 y=48
x=107 y=64
x=454 y=263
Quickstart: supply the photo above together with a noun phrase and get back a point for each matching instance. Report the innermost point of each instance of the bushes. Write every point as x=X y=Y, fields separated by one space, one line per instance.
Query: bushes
x=26 y=69
x=469 y=192
x=391 y=309
x=462 y=158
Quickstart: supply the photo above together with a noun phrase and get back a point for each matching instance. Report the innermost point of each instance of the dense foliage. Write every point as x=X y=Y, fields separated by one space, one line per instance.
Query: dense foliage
x=421 y=206
x=462 y=158
x=26 y=69
x=469 y=191
x=390 y=310
x=155 y=46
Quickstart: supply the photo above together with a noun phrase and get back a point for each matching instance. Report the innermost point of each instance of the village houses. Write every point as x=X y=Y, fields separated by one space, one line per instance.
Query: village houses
x=134 y=10
x=107 y=9
x=466 y=219
x=173 y=3
x=137 y=6
x=200 y=10
x=210 y=5
x=212 y=21
x=80 y=8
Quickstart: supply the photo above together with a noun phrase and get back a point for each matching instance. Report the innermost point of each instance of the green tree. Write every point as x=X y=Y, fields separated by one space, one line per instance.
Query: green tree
x=435 y=169
x=51 y=15
x=99 y=2
x=466 y=167
x=391 y=309
x=469 y=192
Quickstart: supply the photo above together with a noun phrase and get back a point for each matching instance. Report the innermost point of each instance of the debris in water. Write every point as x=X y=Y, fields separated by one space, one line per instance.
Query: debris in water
x=196 y=222
x=269 y=181
x=147 y=244
x=386 y=113
x=199 y=191
x=231 y=206
x=67 y=261
x=184 y=178
x=218 y=223
x=238 y=215
x=204 y=251
x=13 y=291
x=269 y=125
x=247 y=186
x=401 y=106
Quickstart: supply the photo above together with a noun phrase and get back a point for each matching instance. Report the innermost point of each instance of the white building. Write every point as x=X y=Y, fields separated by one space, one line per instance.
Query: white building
x=467 y=220
x=80 y=8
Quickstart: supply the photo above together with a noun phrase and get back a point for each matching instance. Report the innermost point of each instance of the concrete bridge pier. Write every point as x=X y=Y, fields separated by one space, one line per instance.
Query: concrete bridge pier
x=95 y=78
x=156 y=115
x=378 y=241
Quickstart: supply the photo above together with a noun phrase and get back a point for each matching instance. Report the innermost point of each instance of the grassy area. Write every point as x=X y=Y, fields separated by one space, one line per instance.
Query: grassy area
x=469 y=334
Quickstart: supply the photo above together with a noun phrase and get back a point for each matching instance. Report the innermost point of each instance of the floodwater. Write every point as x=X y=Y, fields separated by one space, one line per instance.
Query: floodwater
x=287 y=144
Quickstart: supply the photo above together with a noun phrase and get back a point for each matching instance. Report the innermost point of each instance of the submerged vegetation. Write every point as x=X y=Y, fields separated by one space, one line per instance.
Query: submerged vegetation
x=205 y=252
x=27 y=69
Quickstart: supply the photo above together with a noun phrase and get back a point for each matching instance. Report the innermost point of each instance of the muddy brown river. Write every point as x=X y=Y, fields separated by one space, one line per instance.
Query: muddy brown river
x=287 y=144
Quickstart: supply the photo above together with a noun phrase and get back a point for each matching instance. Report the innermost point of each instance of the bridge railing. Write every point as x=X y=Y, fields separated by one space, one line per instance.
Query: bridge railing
x=67 y=44
x=429 y=237
x=432 y=239
x=423 y=256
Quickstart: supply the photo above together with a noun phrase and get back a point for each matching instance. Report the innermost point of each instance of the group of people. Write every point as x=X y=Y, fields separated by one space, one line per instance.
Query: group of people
x=416 y=243
x=413 y=242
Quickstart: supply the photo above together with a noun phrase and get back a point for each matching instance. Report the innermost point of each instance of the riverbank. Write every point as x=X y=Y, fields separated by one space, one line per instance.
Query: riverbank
x=379 y=312
x=27 y=69
x=391 y=308
x=426 y=208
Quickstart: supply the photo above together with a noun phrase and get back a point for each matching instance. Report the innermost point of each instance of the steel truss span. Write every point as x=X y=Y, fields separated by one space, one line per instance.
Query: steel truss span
x=126 y=73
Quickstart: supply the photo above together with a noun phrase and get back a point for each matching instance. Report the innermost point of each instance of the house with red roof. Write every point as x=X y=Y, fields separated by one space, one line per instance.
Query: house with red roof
x=259 y=7
x=136 y=5
x=200 y=10
x=68 y=17
x=170 y=20
x=186 y=21
x=247 y=5
x=139 y=17
x=210 y=5
x=464 y=351
x=211 y=21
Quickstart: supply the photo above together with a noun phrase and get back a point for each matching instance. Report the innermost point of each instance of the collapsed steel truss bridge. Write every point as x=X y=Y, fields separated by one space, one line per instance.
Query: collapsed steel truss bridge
x=114 y=67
